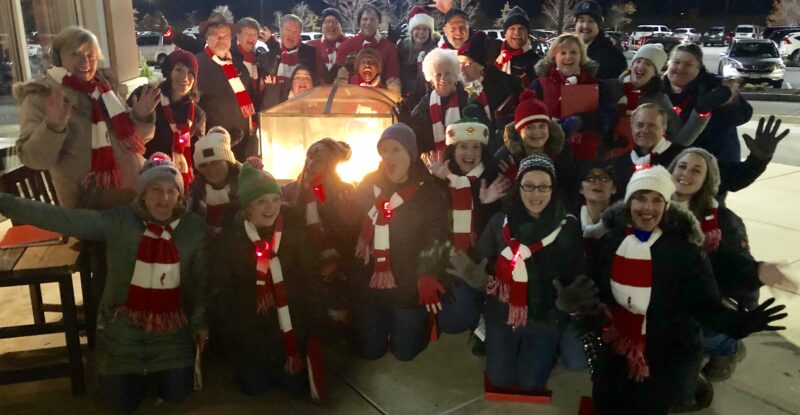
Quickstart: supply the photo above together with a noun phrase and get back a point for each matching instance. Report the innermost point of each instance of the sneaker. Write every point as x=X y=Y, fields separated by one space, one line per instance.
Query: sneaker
x=478 y=348
x=721 y=368
x=703 y=396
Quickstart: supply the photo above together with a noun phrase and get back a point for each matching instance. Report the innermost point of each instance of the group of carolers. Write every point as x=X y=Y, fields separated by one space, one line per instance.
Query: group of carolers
x=488 y=210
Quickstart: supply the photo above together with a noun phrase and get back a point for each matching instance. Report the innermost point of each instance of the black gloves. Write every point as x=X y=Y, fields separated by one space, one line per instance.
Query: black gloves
x=758 y=319
x=767 y=138
x=580 y=294
x=712 y=100
x=394 y=34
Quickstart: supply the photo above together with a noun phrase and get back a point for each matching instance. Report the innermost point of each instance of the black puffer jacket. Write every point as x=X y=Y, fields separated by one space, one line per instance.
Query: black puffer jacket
x=611 y=59
x=683 y=299
x=735 y=269
x=247 y=337
x=418 y=225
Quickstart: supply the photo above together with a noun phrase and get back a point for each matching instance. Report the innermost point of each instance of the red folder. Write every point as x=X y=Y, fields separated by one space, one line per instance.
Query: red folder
x=578 y=98
x=28 y=235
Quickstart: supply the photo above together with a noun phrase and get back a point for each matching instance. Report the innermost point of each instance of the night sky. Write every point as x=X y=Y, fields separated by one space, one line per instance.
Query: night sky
x=705 y=13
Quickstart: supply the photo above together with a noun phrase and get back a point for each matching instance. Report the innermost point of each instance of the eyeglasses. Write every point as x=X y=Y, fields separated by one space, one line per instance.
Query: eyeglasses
x=597 y=179
x=542 y=188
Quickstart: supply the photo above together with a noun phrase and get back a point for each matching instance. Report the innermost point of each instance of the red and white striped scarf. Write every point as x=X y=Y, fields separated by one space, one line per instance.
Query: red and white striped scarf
x=375 y=234
x=181 y=139
x=631 y=285
x=503 y=61
x=445 y=44
x=289 y=61
x=710 y=226
x=451 y=114
x=242 y=97
x=103 y=171
x=216 y=201
x=331 y=48
x=154 y=295
x=510 y=282
x=646 y=161
x=462 y=208
x=271 y=291
x=249 y=60
x=314 y=195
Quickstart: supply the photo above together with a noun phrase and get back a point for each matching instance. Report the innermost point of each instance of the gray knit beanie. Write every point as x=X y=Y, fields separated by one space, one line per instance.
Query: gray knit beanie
x=404 y=135
x=712 y=175
x=536 y=161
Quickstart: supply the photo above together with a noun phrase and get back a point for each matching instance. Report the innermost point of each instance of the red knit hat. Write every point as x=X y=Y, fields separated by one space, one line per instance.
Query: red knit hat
x=529 y=110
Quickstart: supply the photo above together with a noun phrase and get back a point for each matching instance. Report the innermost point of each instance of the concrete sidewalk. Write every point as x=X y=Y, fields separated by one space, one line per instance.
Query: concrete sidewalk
x=446 y=378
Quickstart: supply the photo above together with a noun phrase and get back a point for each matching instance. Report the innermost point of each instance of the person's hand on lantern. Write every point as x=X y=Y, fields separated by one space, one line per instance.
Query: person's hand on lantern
x=57 y=110
x=495 y=191
x=145 y=103
x=438 y=165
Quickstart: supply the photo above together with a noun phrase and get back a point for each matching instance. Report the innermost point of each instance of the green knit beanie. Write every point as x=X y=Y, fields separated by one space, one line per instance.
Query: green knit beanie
x=254 y=183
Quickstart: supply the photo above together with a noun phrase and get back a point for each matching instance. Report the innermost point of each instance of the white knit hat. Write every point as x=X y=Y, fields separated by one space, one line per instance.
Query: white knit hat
x=654 y=52
x=466 y=130
x=655 y=178
x=215 y=145
x=419 y=16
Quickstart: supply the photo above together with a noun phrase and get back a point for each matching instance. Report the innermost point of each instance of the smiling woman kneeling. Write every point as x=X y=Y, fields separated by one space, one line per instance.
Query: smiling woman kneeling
x=658 y=286
x=153 y=296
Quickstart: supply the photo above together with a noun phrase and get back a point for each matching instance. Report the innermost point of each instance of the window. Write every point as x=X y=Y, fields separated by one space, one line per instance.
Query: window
x=148 y=40
x=754 y=50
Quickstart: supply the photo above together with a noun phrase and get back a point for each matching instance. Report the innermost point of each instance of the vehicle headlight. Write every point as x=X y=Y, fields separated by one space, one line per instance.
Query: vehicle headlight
x=735 y=64
x=779 y=65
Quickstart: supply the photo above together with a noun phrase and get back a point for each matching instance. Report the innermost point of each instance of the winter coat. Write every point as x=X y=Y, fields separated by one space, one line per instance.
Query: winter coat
x=249 y=338
x=197 y=194
x=611 y=59
x=121 y=347
x=416 y=227
x=719 y=137
x=326 y=75
x=306 y=53
x=594 y=124
x=68 y=155
x=561 y=260
x=390 y=66
x=566 y=171
x=652 y=92
x=735 y=269
x=422 y=125
x=262 y=67
x=162 y=140
x=684 y=298
x=222 y=108
x=412 y=79
x=522 y=66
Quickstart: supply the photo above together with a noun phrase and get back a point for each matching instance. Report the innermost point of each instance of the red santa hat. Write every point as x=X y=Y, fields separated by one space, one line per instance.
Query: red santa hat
x=529 y=110
x=419 y=16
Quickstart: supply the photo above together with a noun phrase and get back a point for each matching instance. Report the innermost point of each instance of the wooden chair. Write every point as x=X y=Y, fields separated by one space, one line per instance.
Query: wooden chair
x=33 y=184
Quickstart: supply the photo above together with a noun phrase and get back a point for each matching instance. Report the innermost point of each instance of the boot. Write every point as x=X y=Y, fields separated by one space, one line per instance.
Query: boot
x=721 y=368
x=703 y=396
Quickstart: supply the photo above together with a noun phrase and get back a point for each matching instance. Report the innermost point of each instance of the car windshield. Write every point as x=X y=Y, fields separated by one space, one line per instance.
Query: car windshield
x=677 y=31
x=744 y=30
x=647 y=29
x=754 y=50
x=716 y=30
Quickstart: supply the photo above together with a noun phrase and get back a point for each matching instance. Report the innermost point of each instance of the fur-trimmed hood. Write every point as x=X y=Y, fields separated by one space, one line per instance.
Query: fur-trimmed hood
x=544 y=65
x=44 y=84
x=553 y=147
x=677 y=222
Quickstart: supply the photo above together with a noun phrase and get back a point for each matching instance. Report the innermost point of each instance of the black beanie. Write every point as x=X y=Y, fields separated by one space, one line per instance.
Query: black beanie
x=330 y=11
x=517 y=16
x=475 y=48
x=455 y=11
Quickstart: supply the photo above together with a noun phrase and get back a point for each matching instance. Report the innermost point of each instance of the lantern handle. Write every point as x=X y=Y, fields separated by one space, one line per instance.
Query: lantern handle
x=329 y=104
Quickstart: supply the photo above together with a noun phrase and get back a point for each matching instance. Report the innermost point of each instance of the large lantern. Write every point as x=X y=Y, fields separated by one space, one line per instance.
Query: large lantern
x=354 y=114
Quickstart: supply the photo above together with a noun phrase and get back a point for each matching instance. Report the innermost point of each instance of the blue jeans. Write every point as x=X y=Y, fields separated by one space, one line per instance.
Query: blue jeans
x=124 y=393
x=524 y=357
x=403 y=331
x=716 y=344
x=461 y=309
x=255 y=379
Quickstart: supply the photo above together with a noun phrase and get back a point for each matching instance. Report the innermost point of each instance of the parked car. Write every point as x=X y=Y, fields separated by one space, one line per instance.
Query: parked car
x=667 y=41
x=193 y=31
x=747 y=31
x=779 y=34
x=309 y=36
x=754 y=60
x=154 y=46
x=543 y=33
x=790 y=47
x=494 y=34
x=689 y=34
x=620 y=39
x=643 y=31
x=714 y=36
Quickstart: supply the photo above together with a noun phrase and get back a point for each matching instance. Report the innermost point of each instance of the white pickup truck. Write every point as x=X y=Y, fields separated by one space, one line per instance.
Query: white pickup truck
x=645 y=31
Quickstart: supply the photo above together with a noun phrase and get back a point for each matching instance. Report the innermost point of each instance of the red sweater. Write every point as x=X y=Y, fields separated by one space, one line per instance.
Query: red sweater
x=388 y=51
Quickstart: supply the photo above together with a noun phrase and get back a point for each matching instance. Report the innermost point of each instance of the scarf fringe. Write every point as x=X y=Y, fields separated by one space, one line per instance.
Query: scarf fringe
x=382 y=280
x=102 y=179
x=265 y=302
x=153 y=322
x=517 y=316
x=363 y=249
x=633 y=351
x=294 y=364
x=499 y=289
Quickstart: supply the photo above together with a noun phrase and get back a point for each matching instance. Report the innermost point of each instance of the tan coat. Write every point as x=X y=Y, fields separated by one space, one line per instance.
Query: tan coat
x=68 y=155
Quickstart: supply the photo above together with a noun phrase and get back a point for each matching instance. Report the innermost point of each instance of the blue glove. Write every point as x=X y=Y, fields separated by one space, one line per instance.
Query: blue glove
x=571 y=124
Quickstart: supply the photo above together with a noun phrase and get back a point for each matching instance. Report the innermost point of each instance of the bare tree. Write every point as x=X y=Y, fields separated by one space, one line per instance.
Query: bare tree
x=784 y=13
x=469 y=6
x=498 y=23
x=307 y=16
x=555 y=13
x=618 y=15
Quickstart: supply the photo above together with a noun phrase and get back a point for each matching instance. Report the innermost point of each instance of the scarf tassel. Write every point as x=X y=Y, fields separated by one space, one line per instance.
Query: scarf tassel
x=499 y=289
x=517 y=316
x=154 y=322
x=265 y=302
x=294 y=364
x=632 y=350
